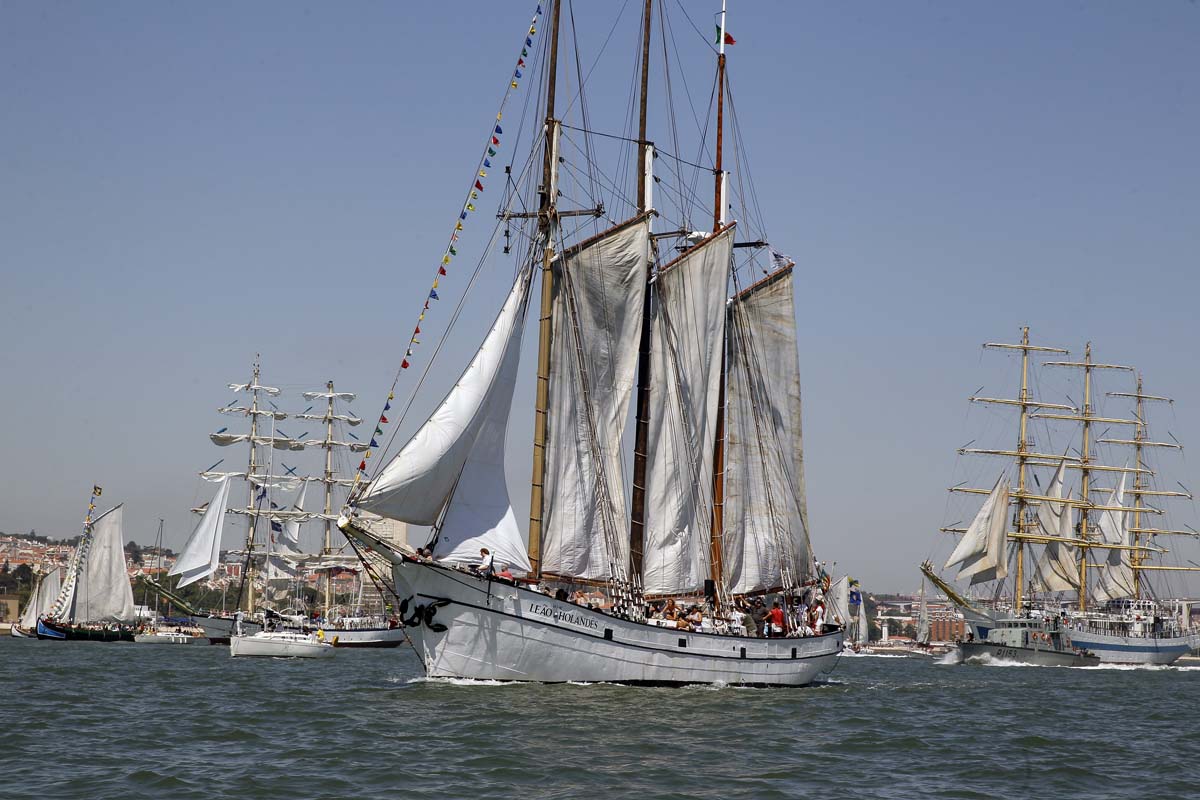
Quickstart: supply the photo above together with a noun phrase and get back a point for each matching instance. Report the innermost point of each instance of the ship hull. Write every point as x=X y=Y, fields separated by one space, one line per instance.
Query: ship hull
x=464 y=626
x=975 y=652
x=1117 y=649
x=57 y=631
x=218 y=629
x=17 y=632
x=365 y=637
x=279 y=645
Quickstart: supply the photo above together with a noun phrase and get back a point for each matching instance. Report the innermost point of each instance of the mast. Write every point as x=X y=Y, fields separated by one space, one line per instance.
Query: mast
x=1141 y=490
x=716 y=566
x=548 y=228
x=327 y=546
x=247 y=586
x=719 y=174
x=1086 y=467
x=1022 y=449
x=637 y=523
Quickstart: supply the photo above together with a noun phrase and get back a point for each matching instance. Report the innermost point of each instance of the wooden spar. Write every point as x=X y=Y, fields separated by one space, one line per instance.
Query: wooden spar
x=641 y=437
x=719 y=174
x=547 y=224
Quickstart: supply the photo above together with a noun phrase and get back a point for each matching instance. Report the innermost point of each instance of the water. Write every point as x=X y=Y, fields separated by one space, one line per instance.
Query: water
x=101 y=721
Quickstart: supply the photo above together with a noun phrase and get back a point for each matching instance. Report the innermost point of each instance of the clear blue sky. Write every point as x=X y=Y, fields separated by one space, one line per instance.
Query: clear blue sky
x=182 y=186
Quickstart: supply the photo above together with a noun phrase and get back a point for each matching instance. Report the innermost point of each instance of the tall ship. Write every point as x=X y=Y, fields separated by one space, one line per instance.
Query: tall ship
x=95 y=599
x=1064 y=576
x=275 y=509
x=642 y=553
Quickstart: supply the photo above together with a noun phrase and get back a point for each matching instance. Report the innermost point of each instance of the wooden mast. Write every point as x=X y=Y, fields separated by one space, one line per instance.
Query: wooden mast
x=637 y=506
x=247 y=586
x=1022 y=449
x=548 y=228
x=716 y=532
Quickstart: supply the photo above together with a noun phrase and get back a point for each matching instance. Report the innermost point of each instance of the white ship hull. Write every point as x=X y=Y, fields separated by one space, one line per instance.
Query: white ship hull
x=280 y=645
x=163 y=637
x=465 y=626
x=365 y=637
x=1117 y=649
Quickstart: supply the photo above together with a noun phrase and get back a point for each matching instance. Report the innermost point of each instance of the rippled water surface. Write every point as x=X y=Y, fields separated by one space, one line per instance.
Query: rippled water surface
x=84 y=720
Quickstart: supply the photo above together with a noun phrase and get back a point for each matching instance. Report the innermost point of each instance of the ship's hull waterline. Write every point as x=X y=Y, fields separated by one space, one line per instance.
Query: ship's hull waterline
x=1146 y=650
x=465 y=626
x=975 y=652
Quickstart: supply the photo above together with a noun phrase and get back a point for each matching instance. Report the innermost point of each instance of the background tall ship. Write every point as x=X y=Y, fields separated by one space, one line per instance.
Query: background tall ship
x=1067 y=573
x=687 y=324
x=276 y=508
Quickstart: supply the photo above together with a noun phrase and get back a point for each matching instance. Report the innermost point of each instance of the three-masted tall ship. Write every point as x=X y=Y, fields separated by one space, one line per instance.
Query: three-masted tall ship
x=643 y=309
x=272 y=545
x=1068 y=572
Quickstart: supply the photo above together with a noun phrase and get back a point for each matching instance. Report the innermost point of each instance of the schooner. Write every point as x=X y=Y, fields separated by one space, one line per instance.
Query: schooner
x=657 y=320
x=1076 y=562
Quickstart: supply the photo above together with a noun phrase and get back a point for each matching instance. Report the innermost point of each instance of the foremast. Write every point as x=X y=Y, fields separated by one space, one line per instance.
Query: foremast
x=548 y=230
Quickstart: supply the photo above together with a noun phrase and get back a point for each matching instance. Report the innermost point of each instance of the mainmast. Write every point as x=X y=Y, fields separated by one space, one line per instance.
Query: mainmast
x=247 y=586
x=718 y=172
x=1086 y=467
x=637 y=523
x=548 y=229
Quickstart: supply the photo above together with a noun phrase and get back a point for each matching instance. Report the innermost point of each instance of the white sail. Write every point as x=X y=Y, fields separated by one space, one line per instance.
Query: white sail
x=102 y=590
x=202 y=553
x=1115 y=578
x=923 y=627
x=766 y=515
x=42 y=600
x=291 y=529
x=862 y=635
x=687 y=335
x=415 y=485
x=1057 y=569
x=981 y=551
x=838 y=600
x=599 y=293
x=479 y=513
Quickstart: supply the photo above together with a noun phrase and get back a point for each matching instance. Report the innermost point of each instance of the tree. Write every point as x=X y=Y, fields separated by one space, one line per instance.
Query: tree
x=134 y=552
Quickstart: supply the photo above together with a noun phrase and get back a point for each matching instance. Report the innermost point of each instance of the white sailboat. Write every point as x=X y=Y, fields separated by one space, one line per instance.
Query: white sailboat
x=95 y=602
x=717 y=510
x=41 y=600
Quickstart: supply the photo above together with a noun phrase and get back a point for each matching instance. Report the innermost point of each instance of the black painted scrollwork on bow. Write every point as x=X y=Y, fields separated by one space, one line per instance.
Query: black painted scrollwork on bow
x=424 y=614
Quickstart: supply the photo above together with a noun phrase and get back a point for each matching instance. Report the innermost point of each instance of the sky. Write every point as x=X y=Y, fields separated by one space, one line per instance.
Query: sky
x=183 y=187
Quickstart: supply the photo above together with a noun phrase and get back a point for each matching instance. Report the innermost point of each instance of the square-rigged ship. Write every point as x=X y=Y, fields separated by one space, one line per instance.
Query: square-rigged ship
x=1069 y=577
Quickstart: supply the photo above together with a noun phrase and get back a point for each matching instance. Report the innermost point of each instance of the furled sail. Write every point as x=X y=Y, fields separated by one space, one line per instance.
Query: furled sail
x=448 y=450
x=766 y=514
x=862 y=635
x=1057 y=569
x=202 y=553
x=599 y=291
x=1115 y=578
x=102 y=589
x=981 y=551
x=687 y=335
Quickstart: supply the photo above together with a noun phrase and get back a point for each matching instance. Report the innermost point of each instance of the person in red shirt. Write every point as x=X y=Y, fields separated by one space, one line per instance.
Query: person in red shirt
x=775 y=619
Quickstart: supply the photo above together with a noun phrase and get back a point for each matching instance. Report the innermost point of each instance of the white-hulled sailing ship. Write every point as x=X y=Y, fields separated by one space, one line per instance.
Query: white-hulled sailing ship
x=277 y=540
x=95 y=601
x=1077 y=561
x=717 y=509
